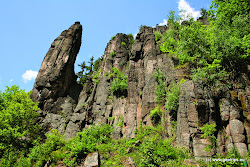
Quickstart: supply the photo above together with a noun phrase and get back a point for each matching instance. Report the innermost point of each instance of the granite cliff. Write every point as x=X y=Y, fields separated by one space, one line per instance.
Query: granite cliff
x=69 y=107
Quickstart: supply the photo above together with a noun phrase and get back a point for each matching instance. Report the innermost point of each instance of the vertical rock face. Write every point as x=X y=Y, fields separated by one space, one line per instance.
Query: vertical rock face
x=198 y=105
x=56 y=74
x=55 y=87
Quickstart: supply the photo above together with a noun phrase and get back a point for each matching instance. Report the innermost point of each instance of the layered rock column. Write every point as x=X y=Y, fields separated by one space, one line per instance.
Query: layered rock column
x=56 y=74
x=55 y=87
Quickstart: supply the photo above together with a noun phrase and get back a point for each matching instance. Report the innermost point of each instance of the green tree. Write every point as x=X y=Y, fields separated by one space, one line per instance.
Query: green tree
x=88 y=70
x=226 y=10
x=203 y=13
x=18 y=116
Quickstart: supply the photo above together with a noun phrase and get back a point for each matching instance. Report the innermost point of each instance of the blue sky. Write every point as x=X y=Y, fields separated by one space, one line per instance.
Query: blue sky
x=29 y=27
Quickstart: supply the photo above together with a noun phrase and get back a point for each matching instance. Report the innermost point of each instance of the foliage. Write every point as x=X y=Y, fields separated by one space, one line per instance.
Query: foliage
x=130 y=36
x=169 y=96
x=119 y=84
x=160 y=87
x=172 y=98
x=96 y=77
x=169 y=41
x=113 y=37
x=208 y=131
x=18 y=116
x=130 y=40
x=88 y=70
x=214 y=50
x=158 y=35
x=226 y=10
x=154 y=151
x=113 y=54
x=204 y=13
x=123 y=44
x=97 y=63
x=86 y=142
x=233 y=154
x=173 y=20
x=155 y=114
x=48 y=150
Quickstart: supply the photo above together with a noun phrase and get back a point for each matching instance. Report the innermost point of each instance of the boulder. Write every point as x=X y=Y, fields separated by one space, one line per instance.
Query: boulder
x=92 y=160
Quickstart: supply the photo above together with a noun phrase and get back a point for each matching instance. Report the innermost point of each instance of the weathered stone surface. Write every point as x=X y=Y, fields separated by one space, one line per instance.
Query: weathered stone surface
x=199 y=146
x=145 y=58
x=186 y=114
x=92 y=160
x=128 y=162
x=234 y=113
x=191 y=162
x=56 y=75
x=55 y=87
x=242 y=148
x=76 y=124
x=236 y=127
x=225 y=109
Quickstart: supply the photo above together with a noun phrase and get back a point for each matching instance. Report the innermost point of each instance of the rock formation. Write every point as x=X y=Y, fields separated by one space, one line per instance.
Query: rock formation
x=55 y=87
x=69 y=107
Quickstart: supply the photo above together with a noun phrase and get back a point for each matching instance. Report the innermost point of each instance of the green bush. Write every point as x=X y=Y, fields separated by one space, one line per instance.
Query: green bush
x=119 y=85
x=209 y=131
x=158 y=35
x=172 y=98
x=216 y=51
x=160 y=87
x=96 y=77
x=123 y=44
x=131 y=40
x=113 y=54
x=153 y=151
x=169 y=43
x=155 y=114
x=86 y=142
x=106 y=74
x=18 y=116
x=113 y=37
x=48 y=150
x=130 y=36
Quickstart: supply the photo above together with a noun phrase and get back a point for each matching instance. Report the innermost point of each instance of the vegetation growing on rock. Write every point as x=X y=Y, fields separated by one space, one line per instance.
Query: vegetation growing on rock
x=119 y=85
x=156 y=95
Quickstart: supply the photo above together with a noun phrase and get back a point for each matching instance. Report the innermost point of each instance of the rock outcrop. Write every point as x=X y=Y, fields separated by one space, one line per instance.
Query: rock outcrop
x=55 y=87
x=92 y=160
x=198 y=105
x=69 y=107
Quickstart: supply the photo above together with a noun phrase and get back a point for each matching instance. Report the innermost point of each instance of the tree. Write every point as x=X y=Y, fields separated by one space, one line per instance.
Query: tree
x=86 y=70
x=203 y=13
x=225 y=10
x=18 y=116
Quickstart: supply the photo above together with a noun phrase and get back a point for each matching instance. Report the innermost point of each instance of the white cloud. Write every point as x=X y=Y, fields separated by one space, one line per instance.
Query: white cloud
x=185 y=10
x=29 y=75
x=165 y=22
x=10 y=80
x=135 y=35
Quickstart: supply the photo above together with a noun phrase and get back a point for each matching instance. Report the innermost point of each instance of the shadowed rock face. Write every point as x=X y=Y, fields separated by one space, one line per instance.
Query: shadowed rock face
x=55 y=87
x=56 y=74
